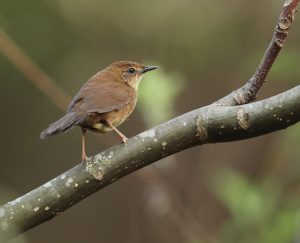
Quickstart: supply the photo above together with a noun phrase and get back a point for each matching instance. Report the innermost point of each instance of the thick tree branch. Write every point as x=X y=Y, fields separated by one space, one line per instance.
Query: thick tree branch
x=210 y=124
x=249 y=91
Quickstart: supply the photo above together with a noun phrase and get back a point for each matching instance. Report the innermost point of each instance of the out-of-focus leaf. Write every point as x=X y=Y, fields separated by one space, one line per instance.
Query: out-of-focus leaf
x=157 y=95
x=283 y=228
x=246 y=201
x=257 y=212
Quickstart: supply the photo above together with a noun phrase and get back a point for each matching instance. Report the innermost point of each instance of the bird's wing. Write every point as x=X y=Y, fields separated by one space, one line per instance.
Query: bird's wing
x=101 y=96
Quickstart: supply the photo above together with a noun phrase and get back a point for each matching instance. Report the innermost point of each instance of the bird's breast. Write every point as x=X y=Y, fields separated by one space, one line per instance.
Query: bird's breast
x=116 y=118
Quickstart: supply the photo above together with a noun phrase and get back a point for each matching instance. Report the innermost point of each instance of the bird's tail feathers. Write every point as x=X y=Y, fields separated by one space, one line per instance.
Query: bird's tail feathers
x=64 y=124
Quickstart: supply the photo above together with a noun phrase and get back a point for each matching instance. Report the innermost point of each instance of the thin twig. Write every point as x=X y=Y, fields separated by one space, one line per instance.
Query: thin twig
x=249 y=91
x=32 y=72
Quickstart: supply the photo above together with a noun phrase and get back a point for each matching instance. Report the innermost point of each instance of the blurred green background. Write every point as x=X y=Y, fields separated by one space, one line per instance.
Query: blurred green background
x=245 y=191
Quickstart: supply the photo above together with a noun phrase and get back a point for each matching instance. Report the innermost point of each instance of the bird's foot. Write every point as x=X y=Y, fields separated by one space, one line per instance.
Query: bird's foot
x=124 y=139
x=84 y=158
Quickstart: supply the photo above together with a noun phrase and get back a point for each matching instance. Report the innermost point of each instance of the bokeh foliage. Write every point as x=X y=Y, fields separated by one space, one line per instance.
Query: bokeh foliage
x=260 y=210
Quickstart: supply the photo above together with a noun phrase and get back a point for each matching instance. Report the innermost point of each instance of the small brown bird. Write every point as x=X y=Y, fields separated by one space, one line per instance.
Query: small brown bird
x=104 y=101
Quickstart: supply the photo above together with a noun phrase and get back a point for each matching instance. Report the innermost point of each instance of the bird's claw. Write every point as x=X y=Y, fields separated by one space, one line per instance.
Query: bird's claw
x=124 y=139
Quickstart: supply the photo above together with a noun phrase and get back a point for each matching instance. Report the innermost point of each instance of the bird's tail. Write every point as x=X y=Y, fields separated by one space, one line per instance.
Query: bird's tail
x=62 y=125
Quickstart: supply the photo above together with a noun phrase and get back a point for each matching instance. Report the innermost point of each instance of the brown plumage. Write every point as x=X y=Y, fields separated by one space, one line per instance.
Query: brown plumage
x=104 y=101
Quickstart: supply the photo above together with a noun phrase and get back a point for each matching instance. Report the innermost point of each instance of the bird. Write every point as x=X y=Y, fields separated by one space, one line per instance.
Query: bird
x=103 y=103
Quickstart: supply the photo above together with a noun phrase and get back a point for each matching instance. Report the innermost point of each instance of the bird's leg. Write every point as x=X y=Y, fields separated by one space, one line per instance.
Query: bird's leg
x=123 y=137
x=83 y=154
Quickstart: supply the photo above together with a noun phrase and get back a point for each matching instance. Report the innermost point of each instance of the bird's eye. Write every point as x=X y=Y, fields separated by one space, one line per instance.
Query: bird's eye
x=131 y=70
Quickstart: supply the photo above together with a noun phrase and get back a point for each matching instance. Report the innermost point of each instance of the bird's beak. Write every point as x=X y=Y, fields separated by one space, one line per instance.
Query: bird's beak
x=149 y=68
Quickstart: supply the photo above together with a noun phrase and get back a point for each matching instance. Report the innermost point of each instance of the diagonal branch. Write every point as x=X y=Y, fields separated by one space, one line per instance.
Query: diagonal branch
x=210 y=124
x=249 y=91
x=33 y=72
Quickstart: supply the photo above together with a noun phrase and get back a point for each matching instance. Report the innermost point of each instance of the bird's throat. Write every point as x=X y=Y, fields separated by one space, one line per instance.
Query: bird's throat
x=135 y=82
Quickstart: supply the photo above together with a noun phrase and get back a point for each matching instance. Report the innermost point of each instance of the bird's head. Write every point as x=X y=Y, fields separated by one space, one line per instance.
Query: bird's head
x=129 y=72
